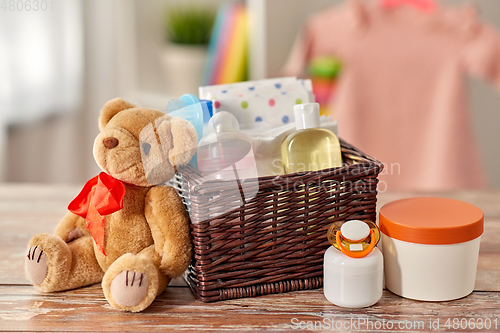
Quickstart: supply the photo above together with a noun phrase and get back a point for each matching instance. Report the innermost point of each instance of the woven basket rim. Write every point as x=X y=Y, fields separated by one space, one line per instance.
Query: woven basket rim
x=357 y=164
x=195 y=179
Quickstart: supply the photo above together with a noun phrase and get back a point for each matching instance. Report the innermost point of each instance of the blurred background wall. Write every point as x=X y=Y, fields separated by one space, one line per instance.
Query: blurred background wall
x=118 y=44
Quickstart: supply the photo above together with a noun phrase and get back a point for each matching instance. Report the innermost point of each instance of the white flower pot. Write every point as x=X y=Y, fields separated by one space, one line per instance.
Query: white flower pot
x=183 y=67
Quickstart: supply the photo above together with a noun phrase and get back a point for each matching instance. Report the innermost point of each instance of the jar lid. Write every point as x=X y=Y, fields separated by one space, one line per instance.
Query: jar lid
x=429 y=220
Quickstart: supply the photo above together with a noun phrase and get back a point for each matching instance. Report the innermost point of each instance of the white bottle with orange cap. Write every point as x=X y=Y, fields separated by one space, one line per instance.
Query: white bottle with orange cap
x=353 y=267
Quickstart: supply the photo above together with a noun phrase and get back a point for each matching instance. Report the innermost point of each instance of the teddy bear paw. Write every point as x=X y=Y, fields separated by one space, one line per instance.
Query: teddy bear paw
x=131 y=283
x=36 y=265
x=129 y=288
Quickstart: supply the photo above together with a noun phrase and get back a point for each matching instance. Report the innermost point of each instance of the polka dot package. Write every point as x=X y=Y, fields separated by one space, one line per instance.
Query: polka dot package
x=260 y=103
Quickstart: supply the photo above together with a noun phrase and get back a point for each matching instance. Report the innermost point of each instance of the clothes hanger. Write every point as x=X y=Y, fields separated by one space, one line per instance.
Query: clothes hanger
x=423 y=5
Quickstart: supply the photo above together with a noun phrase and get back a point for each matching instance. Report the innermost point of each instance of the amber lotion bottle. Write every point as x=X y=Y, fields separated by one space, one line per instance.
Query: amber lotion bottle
x=311 y=148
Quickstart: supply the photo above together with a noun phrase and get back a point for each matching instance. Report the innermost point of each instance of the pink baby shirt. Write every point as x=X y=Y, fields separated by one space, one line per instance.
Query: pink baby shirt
x=402 y=95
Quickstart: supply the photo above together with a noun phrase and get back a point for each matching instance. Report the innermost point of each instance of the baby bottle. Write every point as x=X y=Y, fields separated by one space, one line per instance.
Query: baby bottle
x=226 y=152
x=353 y=267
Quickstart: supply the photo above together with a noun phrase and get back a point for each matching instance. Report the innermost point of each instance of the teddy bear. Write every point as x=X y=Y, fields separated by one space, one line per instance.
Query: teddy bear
x=124 y=229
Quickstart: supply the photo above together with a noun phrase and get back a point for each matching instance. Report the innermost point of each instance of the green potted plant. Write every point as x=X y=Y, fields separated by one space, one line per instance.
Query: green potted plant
x=187 y=31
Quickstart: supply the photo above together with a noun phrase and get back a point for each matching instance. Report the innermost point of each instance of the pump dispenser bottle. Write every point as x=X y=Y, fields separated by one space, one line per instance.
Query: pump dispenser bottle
x=311 y=148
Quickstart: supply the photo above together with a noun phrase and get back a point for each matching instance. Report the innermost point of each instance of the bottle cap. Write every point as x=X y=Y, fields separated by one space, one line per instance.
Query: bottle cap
x=307 y=115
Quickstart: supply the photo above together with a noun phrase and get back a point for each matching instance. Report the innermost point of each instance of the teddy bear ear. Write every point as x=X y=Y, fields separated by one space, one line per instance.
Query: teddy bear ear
x=185 y=141
x=111 y=108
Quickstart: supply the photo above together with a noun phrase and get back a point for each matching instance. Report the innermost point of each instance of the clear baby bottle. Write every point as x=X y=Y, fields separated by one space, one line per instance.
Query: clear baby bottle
x=226 y=152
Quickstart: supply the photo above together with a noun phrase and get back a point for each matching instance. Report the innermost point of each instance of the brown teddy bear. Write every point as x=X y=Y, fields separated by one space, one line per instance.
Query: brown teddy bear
x=122 y=229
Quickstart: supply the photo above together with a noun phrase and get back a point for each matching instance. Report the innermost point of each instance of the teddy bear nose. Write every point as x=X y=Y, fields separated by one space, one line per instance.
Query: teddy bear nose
x=110 y=142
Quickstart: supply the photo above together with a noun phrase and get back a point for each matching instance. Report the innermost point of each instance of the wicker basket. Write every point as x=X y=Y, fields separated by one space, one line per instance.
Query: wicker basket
x=275 y=242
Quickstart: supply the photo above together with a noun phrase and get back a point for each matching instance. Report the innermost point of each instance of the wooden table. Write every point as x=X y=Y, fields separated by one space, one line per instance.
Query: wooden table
x=26 y=210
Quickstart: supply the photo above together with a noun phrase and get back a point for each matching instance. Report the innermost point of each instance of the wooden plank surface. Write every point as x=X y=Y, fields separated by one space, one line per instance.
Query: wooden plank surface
x=26 y=210
x=23 y=309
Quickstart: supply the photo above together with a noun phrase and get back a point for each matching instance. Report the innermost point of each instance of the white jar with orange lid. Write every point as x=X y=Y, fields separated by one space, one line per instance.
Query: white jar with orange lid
x=430 y=247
